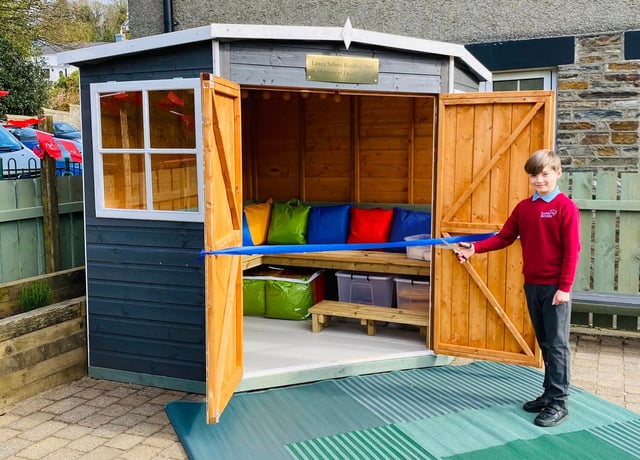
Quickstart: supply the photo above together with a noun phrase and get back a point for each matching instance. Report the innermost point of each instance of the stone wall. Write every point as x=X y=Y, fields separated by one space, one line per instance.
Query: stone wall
x=598 y=101
x=72 y=116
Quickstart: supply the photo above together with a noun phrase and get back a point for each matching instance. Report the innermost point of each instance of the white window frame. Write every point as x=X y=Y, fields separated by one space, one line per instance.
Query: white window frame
x=549 y=77
x=96 y=130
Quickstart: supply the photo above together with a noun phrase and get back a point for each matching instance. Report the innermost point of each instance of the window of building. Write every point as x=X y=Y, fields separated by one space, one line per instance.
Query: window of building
x=148 y=150
x=524 y=80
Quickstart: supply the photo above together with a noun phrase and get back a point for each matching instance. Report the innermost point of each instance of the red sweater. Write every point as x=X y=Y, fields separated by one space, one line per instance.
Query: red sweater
x=550 y=238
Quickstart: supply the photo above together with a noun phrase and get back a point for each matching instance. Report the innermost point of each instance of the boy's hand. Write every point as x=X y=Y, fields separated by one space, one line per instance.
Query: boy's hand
x=561 y=297
x=465 y=250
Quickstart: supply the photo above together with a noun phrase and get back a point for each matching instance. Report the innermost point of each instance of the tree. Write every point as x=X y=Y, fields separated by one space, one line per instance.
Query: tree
x=20 y=21
x=23 y=78
x=78 y=21
x=64 y=92
x=26 y=23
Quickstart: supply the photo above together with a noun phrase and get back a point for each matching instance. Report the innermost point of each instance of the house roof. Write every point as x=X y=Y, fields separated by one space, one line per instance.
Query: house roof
x=346 y=34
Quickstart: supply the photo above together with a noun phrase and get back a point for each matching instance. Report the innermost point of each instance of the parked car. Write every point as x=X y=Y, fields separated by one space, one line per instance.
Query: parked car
x=64 y=130
x=17 y=159
x=27 y=136
x=64 y=166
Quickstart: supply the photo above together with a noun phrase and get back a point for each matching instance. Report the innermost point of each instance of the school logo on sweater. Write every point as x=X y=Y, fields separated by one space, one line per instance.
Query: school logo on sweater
x=548 y=214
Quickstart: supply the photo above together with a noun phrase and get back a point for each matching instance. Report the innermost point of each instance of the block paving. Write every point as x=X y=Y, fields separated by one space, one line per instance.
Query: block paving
x=99 y=419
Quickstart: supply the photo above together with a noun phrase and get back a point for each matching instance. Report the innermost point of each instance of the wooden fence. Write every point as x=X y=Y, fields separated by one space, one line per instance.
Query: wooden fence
x=21 y=227
x=609 y=205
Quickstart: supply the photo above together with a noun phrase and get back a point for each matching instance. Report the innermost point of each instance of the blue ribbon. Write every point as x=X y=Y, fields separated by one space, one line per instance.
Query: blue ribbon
x=297 y=248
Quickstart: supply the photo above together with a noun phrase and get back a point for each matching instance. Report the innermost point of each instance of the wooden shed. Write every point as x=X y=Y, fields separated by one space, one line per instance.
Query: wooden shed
x=184 y=127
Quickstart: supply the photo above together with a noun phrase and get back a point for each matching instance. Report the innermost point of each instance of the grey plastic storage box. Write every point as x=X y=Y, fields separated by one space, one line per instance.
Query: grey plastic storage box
x=365 y=289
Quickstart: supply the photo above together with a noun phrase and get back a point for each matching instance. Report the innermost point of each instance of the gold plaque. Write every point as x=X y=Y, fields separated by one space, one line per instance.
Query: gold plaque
x=342 y=69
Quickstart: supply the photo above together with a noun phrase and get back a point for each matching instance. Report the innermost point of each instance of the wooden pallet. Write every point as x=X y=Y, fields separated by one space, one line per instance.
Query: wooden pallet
x=368 y=315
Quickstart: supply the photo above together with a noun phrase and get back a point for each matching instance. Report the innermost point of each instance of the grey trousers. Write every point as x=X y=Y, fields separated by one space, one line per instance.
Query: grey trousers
x=551 y=324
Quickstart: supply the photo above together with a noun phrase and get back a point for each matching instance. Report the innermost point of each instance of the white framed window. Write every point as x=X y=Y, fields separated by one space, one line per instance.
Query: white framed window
x=147 y=150
x=524 y=80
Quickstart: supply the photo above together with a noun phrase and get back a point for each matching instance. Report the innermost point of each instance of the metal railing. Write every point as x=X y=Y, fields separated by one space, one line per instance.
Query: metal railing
x=63 y=168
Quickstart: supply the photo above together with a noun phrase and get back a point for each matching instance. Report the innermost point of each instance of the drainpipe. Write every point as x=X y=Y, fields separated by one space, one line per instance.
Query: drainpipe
x=168 y=15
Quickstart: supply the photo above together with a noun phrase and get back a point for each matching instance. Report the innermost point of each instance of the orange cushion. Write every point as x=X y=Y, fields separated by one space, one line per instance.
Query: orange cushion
x=370 y=225
x=258 y=218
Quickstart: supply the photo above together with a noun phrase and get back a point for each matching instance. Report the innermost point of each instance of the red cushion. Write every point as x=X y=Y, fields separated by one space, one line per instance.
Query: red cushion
x=370 y=225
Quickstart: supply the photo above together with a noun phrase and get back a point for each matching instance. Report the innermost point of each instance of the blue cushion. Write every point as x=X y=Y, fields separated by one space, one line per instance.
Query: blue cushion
x=246 y=234
x=328 y=224
x=407 y=223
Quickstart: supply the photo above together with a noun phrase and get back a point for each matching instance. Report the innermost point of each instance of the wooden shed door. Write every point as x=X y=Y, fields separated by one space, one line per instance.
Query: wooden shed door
x=223 y=228
x=484 y=139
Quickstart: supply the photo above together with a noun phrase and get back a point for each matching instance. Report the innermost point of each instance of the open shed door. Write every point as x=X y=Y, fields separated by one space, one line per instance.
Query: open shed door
x=223 y=229
x=484 y=140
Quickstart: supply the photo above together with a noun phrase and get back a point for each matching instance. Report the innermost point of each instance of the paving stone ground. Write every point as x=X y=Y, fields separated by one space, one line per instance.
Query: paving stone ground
x=99 y=419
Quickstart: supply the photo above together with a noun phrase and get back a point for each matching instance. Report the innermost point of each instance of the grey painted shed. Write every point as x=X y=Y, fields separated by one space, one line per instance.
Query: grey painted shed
x=145 y=282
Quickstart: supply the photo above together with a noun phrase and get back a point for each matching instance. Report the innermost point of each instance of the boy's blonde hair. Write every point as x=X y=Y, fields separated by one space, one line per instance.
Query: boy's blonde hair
x=540 y=159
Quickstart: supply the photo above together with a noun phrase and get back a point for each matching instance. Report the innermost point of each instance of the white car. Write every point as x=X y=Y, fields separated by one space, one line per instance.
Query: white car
x=17 y=160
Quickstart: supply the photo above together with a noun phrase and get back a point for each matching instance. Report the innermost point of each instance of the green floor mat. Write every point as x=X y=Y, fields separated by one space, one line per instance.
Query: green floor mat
x=428 y=413
x=579 y=445
x=381 y=443
x=258 y=425
x=422 y=393
x=491 y=426
x=625 y=435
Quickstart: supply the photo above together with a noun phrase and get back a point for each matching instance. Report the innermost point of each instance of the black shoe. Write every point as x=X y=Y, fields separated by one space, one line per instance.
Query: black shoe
x=551 y=416
x=536 y=405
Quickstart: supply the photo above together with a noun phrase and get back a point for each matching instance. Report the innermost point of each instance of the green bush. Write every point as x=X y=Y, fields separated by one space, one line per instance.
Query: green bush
x=35 y=295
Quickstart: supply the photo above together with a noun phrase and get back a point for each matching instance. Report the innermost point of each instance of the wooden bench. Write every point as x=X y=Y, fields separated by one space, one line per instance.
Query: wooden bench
x=367 y=314
x=603 y=307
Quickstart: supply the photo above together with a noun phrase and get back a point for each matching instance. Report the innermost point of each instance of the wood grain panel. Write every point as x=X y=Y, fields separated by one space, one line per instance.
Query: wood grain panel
x=484 y=141
x=223 y=229
x=343 y=141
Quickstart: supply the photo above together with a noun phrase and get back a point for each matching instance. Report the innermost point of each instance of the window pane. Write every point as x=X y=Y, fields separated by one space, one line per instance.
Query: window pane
x=172 y=119
x=505 y=85
x=174 y=182
x=121 y=120
x=531 y=84
x=124 y=186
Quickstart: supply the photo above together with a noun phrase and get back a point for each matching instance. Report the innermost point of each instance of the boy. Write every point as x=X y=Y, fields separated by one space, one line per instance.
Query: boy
x=548 y=226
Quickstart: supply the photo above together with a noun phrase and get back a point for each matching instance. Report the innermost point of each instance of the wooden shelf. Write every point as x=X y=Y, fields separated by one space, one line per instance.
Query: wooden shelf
x=361 y=261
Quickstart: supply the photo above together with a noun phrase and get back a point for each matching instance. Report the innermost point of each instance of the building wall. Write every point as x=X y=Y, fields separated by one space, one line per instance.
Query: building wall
x=457 y=21
x=598 y=105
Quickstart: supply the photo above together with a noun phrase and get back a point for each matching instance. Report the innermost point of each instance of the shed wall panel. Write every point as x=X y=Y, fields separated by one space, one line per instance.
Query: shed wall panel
x=284 y=64
x=145 y=284
x=464 y=81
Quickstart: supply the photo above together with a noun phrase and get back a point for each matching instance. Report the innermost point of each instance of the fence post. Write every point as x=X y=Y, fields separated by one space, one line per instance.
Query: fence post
x=50 y=217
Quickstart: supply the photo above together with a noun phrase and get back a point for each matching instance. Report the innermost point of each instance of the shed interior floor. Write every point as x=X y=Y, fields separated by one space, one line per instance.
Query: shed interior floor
x=283 y=352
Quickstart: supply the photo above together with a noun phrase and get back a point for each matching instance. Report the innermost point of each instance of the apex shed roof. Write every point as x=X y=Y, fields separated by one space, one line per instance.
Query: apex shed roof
x=227 y=32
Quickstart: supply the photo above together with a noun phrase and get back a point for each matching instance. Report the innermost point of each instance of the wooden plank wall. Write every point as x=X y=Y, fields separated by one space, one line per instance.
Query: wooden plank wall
x=609 y=205
x=21 y=230
x=278 y=63
x=42 y=349
x=483 y=142
x=65 y=284
x=145 y=282
x=337 y=147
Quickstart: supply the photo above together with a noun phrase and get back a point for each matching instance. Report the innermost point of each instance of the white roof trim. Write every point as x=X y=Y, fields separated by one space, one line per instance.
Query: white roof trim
x=273 y=32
